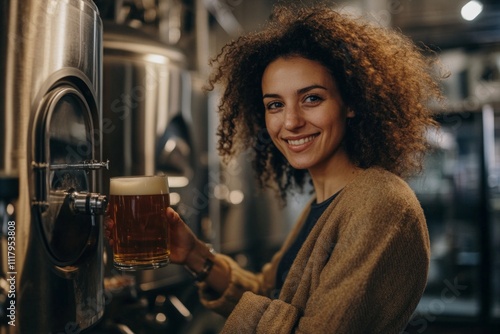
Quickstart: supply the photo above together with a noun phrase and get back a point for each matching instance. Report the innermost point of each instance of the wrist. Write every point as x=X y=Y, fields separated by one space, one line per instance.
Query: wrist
x=200 y=261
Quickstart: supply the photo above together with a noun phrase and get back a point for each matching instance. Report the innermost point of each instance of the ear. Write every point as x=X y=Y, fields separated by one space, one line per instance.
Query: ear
x=350 y=113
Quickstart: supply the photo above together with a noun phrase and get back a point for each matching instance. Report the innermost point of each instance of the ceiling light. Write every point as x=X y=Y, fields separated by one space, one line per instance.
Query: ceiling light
x=471 y=10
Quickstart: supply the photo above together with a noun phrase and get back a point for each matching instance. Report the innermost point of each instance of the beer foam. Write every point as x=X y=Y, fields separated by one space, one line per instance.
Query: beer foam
x=138 y=185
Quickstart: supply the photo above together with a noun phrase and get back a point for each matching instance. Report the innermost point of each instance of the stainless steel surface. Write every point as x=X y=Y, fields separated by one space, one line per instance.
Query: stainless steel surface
x=142 y=87
x=50 y=139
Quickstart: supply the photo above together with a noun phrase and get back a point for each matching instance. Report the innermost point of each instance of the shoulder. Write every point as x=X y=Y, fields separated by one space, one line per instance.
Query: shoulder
x=378 y=191
x=378 y=183
x=379 y=178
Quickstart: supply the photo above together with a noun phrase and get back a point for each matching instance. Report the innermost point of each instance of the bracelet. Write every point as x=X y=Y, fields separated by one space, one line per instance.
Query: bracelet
x=202 y=275
x=207 y=267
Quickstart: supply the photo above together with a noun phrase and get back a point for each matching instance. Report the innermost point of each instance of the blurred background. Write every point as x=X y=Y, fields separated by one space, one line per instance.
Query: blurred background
x=156 y=117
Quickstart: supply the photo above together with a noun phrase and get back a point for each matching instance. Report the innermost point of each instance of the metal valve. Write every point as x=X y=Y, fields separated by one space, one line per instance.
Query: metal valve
x=88 y=203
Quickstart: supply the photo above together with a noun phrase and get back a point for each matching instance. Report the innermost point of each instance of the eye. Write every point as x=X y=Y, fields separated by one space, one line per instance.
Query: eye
x=313 y=99
x=274 y=105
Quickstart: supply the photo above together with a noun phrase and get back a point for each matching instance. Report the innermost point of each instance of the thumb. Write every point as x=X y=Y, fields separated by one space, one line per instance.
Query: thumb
x=173 y=217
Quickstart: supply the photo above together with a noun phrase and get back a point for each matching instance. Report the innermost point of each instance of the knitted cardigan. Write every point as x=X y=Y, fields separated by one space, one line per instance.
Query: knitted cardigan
x=362 y=269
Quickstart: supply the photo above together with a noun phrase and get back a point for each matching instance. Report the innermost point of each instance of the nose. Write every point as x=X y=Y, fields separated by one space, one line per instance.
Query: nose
x=293 y=118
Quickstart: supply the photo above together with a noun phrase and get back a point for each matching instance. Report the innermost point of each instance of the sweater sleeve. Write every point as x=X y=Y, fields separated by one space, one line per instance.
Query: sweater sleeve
x=259 y=314
x=241 y=281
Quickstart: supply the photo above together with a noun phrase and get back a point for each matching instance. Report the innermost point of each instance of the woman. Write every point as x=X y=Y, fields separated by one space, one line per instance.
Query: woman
x=345 y=105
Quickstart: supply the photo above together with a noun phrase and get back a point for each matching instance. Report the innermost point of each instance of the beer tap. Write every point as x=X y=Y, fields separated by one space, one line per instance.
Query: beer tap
x=80 y=202
x=65 y=201
x=87 y=203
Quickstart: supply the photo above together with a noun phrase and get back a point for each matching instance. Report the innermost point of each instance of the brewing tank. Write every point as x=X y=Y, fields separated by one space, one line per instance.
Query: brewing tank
x=50 y=150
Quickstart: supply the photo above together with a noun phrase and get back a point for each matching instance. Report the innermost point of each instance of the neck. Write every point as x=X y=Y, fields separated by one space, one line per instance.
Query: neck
x=333 y=177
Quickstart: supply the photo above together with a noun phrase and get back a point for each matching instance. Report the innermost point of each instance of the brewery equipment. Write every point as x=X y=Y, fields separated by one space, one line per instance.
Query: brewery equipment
x=50 y=143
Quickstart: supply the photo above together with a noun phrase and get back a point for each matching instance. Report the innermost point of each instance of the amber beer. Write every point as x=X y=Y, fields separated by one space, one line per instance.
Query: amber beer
x=137 y=205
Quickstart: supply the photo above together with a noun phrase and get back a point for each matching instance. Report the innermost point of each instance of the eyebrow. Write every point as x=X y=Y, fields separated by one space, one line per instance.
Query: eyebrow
x=299 y=91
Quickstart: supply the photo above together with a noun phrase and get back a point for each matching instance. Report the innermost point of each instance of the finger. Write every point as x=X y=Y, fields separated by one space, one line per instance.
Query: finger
x=109 y=237
x=173 y=216
x=109 y=223
x=107 y=233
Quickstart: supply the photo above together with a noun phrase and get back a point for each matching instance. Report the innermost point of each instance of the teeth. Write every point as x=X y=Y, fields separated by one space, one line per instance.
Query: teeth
x=300 y=141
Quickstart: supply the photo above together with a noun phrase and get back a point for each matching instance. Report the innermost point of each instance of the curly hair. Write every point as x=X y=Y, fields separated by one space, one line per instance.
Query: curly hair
x=387 y=80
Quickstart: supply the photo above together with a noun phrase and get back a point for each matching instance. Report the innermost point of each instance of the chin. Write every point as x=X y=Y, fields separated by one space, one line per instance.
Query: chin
x=296 y=165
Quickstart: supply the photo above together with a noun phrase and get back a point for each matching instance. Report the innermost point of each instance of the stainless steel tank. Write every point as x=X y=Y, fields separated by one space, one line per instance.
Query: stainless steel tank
x=142 y=93
x=50 y=144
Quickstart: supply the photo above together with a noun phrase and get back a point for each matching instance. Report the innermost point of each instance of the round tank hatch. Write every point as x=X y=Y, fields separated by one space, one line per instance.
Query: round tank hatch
x=63 y=142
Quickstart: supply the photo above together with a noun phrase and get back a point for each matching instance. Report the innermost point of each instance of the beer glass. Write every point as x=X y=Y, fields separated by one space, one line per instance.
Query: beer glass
x=137 y=205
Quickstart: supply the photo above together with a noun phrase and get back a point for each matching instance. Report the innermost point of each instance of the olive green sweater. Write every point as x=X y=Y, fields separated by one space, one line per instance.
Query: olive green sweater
x=362 y=269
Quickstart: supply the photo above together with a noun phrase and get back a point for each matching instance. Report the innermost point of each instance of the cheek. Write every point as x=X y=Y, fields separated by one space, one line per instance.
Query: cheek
x=335 y=122
x=273 y=125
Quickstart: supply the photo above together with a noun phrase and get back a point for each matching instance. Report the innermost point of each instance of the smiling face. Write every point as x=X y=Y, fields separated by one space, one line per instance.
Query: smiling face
x=305 y=115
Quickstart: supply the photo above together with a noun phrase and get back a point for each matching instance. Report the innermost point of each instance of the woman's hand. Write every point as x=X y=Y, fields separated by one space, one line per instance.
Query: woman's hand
x=108 y=228
x=182 y=239
x=186 y=249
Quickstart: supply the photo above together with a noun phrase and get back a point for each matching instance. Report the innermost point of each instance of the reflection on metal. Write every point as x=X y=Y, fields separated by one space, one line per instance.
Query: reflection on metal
x=489 y=137
x=221 y=10
x=181 y=308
